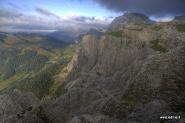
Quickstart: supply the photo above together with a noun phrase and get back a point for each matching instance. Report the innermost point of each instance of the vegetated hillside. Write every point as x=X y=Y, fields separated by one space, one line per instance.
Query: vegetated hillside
x=132 y=74
x=30 y=62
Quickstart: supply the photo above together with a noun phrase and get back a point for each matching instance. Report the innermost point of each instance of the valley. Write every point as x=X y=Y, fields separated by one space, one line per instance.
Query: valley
x=29 y=59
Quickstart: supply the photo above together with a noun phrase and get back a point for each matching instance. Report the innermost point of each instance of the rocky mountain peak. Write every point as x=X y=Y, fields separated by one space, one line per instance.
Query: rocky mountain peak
x=180 y=19
x=130 y=19
x=135 y=16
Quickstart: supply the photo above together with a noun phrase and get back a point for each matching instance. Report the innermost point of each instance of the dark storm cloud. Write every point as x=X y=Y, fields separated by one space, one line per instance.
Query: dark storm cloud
x=45 y=12
x=9 y=13
x=149 y=7
x=83 y=18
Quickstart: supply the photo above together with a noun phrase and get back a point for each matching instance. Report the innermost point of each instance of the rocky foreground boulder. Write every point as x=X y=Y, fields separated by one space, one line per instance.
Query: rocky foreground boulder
x=129 y=75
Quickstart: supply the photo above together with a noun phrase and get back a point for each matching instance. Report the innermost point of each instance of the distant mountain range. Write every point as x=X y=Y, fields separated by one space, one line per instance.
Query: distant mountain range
x=73 y=35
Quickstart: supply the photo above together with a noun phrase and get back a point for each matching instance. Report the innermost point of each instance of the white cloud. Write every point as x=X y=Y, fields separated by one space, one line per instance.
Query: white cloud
x=162 y=19
x=17 y=21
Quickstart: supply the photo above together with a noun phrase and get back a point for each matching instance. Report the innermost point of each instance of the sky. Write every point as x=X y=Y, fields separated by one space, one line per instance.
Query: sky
x=52 y=15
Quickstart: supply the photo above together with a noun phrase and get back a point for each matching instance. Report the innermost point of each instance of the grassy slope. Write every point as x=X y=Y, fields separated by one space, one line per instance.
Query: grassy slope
x=31 y=62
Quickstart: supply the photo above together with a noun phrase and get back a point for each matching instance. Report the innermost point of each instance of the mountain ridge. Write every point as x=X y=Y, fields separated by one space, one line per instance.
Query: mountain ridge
x=130 y=20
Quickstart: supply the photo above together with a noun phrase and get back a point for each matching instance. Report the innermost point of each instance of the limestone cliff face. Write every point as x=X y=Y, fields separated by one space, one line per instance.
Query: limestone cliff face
x=129 y=71
x=129 y=75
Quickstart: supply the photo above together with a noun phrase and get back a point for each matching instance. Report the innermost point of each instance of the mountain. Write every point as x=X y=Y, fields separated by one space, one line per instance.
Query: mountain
x=179 y=19
x=128 y=75
x=67 y=35
x=129 y=20
x=180 y=23
x=29 y=62
x=96 y=32
x=71 y=35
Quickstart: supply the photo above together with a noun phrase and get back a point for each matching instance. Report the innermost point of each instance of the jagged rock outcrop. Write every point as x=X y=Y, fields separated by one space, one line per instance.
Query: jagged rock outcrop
x=126 y=76
x=18 y=108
